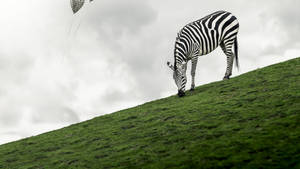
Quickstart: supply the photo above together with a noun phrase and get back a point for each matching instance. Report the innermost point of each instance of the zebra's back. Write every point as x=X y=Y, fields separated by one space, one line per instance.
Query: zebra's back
x=208 y=32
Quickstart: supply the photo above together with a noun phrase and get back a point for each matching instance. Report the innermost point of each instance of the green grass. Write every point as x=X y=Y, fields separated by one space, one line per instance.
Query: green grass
x=251 y=121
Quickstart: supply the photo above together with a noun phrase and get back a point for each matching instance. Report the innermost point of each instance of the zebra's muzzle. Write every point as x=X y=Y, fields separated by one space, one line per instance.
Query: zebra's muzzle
x=181 y=93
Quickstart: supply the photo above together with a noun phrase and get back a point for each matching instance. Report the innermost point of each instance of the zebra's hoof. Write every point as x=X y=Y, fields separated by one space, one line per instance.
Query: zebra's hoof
x=226 y=78
x=181 y=93
x=192 y=87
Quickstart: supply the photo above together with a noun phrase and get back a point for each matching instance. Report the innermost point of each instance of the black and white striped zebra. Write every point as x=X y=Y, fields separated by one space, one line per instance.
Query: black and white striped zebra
x=200 y=38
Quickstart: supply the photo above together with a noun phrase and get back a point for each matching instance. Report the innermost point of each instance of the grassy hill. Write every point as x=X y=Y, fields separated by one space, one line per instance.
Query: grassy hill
x=251 y=121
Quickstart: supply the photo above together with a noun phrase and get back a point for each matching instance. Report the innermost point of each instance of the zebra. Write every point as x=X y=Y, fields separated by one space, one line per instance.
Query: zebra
x=200 y=38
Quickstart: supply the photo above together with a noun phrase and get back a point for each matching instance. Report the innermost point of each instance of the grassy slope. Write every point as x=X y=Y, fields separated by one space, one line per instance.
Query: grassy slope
x=252 y=121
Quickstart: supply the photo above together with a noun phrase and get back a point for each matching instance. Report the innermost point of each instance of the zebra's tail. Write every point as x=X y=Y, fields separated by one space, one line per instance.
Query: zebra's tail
x=236 y=53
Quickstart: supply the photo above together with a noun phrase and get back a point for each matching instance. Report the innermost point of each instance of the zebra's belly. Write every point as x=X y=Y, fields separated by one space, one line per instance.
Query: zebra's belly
x=205 y=51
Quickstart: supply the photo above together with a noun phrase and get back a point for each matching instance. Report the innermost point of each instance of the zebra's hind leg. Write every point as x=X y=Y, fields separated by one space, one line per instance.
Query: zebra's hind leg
x=227 y=49
x=193 y=71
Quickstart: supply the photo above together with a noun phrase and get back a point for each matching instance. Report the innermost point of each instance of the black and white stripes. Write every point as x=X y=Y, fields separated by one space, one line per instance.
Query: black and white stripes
x=200 y=38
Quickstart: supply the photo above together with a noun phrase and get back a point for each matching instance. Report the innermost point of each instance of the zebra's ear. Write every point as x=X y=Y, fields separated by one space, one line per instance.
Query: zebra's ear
x=170 y=66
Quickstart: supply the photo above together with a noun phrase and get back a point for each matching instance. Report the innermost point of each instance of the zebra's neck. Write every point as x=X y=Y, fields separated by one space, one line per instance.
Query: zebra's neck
x=186 y=47
x=181 y=51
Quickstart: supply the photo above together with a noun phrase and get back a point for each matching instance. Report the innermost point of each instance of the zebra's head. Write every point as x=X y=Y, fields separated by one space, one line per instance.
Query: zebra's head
x=179 y=76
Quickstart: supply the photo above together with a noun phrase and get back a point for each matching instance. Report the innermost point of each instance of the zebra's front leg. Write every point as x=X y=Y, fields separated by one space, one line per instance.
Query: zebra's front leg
x=193 y=72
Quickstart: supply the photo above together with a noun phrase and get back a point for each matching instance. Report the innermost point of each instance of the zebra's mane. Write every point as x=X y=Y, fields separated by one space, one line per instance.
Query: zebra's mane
x=176 y=41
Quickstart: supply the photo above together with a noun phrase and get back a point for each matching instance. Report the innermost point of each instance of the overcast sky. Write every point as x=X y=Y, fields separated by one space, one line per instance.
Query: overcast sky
x=57 y=68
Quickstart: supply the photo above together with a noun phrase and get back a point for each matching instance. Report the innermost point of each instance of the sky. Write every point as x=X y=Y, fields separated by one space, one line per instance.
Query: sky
x=57 y=69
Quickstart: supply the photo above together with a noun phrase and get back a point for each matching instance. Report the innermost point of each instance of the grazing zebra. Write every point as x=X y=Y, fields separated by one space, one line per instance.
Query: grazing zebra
x=200 y=38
